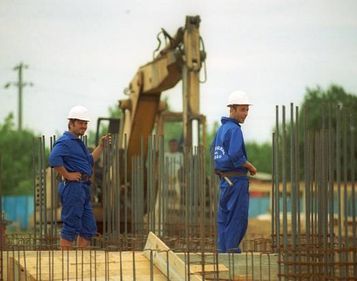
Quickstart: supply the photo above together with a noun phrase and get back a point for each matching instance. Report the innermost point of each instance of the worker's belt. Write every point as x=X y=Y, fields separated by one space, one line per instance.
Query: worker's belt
x=84 y=178
x=231 y=174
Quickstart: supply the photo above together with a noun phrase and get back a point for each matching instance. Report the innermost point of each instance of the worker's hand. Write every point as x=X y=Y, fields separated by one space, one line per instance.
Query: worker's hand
x=252 y=170
x=70 y=176
x=105 y=140
x=73 y=176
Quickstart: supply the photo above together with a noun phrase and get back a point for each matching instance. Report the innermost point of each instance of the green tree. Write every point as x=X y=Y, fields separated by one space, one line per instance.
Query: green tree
x=16 y=156
x=336 y=109
x=260 y=155
x=321 y=105
x=332 y=108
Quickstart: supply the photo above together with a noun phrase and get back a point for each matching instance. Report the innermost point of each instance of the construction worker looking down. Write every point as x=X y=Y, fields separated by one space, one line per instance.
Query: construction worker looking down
x=232 y=166
x=74 y=163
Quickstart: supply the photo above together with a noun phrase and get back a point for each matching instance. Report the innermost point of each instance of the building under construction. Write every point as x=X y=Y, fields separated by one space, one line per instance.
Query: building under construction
x=153 y=236
x=157 y=217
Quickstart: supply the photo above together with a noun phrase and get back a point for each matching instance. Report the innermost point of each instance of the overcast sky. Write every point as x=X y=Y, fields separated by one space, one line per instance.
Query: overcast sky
x=87 y=51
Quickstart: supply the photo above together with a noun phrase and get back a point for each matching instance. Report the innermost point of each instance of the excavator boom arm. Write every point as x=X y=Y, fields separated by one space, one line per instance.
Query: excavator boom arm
x=179 y=60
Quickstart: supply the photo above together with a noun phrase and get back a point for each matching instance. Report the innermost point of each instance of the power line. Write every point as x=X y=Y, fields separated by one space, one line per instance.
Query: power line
x=20 y=85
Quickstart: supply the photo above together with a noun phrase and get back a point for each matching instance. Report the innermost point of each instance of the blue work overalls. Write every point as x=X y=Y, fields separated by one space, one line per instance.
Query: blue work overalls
x=77 y=212
x=229 y=155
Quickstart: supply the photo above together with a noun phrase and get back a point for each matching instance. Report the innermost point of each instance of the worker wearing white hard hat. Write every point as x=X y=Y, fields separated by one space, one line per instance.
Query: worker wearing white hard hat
x=79 y=112
x=232 y=166
x=238 y=98
x=72 y=160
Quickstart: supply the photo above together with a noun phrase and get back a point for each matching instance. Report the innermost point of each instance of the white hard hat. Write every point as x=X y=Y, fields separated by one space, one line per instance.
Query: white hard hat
x=238 y=97
x=79 y=112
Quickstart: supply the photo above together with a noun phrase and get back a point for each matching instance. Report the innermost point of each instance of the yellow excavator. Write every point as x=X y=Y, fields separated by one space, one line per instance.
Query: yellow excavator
x=181 y=59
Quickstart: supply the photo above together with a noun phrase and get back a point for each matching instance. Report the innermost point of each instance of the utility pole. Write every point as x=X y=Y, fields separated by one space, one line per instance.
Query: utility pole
x=20 y=85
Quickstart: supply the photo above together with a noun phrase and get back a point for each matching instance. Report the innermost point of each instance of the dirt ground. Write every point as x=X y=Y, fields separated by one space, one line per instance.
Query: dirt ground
x=258 y=229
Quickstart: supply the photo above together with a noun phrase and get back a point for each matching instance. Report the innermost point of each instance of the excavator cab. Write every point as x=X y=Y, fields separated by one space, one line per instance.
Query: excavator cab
x=112 y=128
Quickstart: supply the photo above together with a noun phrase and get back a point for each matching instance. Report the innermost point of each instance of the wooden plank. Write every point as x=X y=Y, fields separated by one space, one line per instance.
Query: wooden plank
x=207 y=268
x=10 y=269
x=105 y=265
x=170 y=264
x=17 y=272
x=248 y=265
x=92 y=265
x=166 y=260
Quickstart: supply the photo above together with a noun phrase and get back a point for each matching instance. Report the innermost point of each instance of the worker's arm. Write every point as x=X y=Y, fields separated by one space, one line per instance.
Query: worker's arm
x=252 y=170
x=70 y=176
x=107 y=139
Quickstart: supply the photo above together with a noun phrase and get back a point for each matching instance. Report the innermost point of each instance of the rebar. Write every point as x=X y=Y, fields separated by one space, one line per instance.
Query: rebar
x=313 y=208
x=319 y=195
x=177 y=200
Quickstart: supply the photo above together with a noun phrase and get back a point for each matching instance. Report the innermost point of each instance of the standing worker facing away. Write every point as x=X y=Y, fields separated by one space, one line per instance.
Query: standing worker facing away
x=71 y=159
x=232 y=166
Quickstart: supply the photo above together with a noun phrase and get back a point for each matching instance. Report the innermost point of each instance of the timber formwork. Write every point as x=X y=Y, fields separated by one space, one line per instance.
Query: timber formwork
x=155 y=262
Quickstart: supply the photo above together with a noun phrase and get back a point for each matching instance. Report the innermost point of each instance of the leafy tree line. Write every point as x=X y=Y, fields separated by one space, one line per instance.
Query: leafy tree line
x=325 y=110
x=16 y=175
x=261 y=156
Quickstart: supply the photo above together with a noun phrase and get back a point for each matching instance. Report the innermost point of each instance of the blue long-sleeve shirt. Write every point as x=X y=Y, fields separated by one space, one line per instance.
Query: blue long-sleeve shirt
x=69 y=151
x=228 y=147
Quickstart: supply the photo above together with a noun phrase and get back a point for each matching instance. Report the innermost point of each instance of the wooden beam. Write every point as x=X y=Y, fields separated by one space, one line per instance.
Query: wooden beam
x=72 y=265
x=166 y=260
x=171 y=265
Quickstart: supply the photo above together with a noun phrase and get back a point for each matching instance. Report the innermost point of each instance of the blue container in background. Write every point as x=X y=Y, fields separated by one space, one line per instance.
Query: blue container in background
x=258 y=206
x=18 y=209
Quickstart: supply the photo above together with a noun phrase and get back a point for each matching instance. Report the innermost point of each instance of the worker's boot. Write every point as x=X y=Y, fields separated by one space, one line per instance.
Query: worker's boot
x=82 y=242
x=65 y=244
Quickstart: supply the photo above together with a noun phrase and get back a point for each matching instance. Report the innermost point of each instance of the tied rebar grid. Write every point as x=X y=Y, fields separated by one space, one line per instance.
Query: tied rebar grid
x=314 y=201
x=176 y=198
x=171 y=197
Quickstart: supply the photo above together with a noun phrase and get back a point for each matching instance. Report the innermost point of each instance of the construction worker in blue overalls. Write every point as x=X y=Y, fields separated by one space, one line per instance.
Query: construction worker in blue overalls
x=232 y=166
x=74 y=163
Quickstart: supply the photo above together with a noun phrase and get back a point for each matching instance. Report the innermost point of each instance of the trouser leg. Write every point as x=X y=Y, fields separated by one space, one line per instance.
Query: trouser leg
x=73 y=200
x=237 y=219
x=221 y=225
x=232 y=218
x=222 y=214
x=89 y=225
